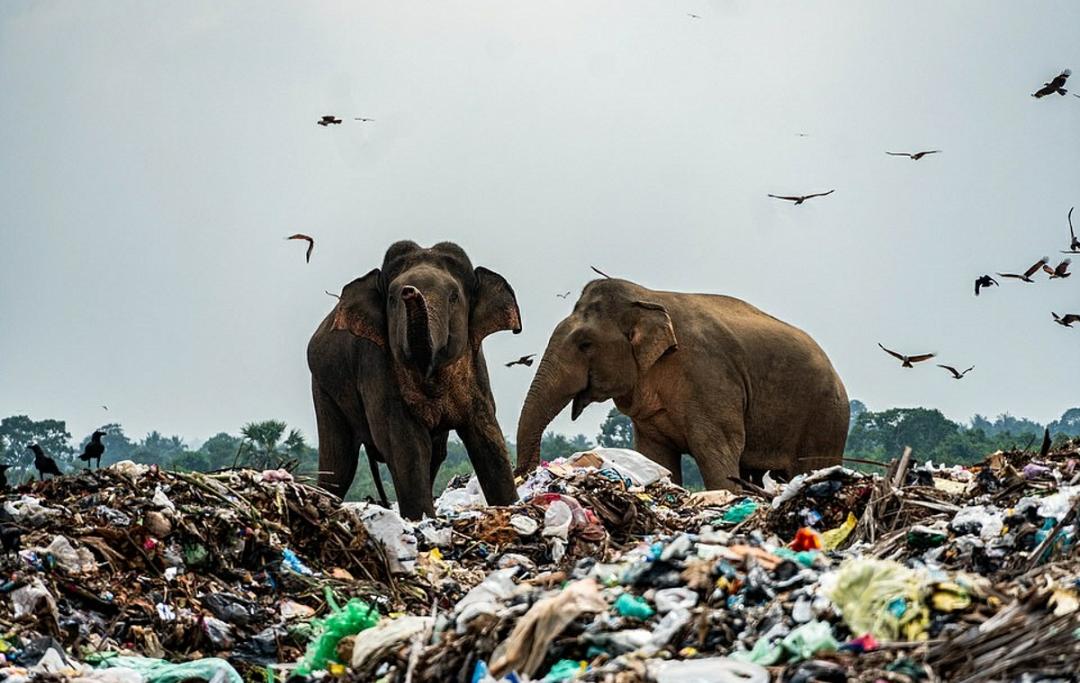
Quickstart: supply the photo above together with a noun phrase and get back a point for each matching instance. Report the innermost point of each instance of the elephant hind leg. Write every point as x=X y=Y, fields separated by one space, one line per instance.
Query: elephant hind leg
x=338 y=447
x=373 y=459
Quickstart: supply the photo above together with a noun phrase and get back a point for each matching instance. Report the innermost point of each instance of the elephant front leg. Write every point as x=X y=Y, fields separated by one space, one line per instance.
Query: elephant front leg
x=409 y=459
x=718 y=451
x=490 y=460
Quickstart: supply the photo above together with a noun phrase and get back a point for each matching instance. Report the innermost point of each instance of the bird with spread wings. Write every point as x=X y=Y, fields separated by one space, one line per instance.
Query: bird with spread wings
x=329 y=120
x=310 y=241
x=906 y=361
x=1055 y=86
x=527 y=361
x=955 y=373
x=1026 y=276
x=914 y=156
x=1061 y=270
x=1066 y=320
x=1074 y=244
x=799 y=199
x=984 y=281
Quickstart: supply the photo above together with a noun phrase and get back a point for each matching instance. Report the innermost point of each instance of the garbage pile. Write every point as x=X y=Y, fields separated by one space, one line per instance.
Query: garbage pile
x=604 y=571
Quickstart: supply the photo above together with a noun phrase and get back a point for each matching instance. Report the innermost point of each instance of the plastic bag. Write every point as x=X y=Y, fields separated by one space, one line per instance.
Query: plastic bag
x=396 y=535
x=707 y=670
x=349 y=620
x=161 y=671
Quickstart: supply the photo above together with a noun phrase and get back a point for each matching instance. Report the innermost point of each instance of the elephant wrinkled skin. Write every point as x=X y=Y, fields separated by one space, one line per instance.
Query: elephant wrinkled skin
x=398 y=364
x=708 y=375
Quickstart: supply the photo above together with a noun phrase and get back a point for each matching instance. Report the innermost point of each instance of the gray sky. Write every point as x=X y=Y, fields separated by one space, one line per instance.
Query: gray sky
x=155 y=155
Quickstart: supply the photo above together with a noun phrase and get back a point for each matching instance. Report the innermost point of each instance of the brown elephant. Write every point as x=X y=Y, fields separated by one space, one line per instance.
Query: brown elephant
x=702 y=374
x=398 y=364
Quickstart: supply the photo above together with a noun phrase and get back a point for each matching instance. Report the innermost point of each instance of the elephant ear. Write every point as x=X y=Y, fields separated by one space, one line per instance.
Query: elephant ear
x=361 y=309
x=494 y=306
x=652 y=335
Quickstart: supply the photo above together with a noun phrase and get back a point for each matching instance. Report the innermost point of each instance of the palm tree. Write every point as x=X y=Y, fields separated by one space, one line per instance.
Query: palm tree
x=266 y=449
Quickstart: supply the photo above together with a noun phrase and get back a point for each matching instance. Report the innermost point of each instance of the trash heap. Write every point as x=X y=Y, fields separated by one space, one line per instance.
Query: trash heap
x=604 y=571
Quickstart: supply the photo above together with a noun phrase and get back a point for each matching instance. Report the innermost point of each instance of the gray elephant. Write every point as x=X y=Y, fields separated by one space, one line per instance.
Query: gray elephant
x=398 y=363
x=702 y=374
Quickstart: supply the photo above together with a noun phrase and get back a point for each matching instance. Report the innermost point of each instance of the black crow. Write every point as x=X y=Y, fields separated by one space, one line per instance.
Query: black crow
x=1066 y=320
x=94 y=449
x=527 y=361
x=1055 y=86
x=914 y=156
x=984 y=281
x=43 y=463
x=328 y=119
x=799 y=199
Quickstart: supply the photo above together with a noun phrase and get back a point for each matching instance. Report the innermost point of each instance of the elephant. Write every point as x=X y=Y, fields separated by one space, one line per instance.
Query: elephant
x=398 y=363
x=712 y=376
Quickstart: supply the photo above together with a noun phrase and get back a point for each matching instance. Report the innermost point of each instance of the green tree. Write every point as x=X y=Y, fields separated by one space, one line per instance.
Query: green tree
x=158 y=449
x=1067 y=424
x=19 y=431
x=883 y=435
x=220 y=450
x=616 y=431
x=267 y=445
x=554 y=445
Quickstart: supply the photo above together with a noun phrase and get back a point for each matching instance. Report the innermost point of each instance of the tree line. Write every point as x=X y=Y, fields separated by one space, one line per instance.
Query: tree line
x=878 y=436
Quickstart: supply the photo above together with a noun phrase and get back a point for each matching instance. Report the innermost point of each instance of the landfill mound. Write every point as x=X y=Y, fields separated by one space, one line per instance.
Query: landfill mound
x=605 y=571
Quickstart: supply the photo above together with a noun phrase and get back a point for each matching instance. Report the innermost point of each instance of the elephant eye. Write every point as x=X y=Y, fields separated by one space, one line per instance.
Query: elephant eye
x=584 y=345
x=453 y=296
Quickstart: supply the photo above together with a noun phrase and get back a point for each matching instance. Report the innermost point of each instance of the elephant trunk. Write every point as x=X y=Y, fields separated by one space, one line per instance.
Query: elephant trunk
x=556 y=383
x=418 y=340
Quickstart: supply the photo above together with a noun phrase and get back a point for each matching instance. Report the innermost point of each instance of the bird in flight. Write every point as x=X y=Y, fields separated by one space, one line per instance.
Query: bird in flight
x=310 y=245
x=364 y=119
x=693 y=16
x=1060 y=271
x=956 y=374
x=802 y=135
x=906 y=361
x=563 y=296
x=527 y=361
x=1026 y=277
x=105 y=407
x=914 y=156
x=800 y=199
x=328 y=120
x=1066 y=320
x=1055 y=86
x=984 y=281
x=1074 y=244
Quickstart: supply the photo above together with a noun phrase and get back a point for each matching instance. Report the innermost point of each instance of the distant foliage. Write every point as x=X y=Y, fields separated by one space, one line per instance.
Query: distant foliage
x=617 y=431
x=19 y=431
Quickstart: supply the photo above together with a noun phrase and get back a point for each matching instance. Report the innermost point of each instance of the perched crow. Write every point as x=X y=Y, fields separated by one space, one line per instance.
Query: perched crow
x=1026 y=277
x=527 y=361
x=955 y=373
x=914 y=156
x=1066 y=320
x=94 y=450
x=800 y=199
x=10 y=538
x=328 y=120
x=984 y=281
x=3 y=476
x=1055 y=86
x=1074 y=244
x=906 y=361
x=1059 y=271
x=310 y=243
x=43 y=463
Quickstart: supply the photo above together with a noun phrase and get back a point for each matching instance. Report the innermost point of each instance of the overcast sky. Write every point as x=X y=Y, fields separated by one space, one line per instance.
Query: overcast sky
x=154 y=155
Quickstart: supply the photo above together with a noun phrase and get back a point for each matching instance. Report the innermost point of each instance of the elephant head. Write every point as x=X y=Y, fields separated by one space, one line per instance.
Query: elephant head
x=600 y=351
x=427 y=307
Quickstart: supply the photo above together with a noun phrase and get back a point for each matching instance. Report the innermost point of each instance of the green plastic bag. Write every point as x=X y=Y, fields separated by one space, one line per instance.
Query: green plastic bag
x=632 y=606
x=564 y=670
x=739 y=511
x=161 y=671
x=349 y=620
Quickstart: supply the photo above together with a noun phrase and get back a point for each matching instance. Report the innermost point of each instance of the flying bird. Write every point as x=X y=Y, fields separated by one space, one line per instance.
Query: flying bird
x=1026 y=277
x=328 y=120
x=1055 y=86
x=1059 y=271
x=693 y=16
x=94 y=449
x=1066 y=320
x=527 y=361
x=906 y=361
x=43 y=463
x=310 y=243
x=956 y=374
x=984 y=281
x=1074 y=244
x=361 y=118
x=563 y=296
x=104 y=407
x=800 y=199
x=914 y=156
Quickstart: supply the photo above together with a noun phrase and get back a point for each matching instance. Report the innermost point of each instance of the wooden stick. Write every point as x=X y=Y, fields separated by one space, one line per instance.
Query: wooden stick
x=905 y=461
